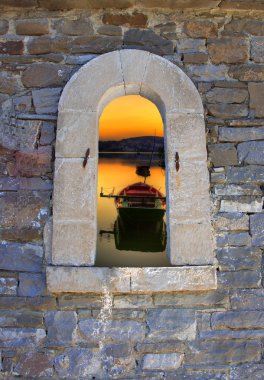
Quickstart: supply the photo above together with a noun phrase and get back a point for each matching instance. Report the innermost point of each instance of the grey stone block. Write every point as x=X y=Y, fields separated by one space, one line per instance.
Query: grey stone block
x=239 y=239
x=162 y=362
x=247 y=299
x=117 y=330
x=46 y=100
x=32 y=284
x=21 y=337
x=21 y=319
x=257 y=229
x=240 y=134
x=237 y=320
x=34 y=364
x=21 y=257
x=233 y=258
x=246 y=174
x=247 y=371
x=251 y=152
x=77 y=362
x=230 y=189
x=240 y=279
x=8 y=286
x=201 y=299
x=223 y=352
x=197 y=374
x=61 y=326
x=147 y=40
x=231 y=221
x=222 y=154
x=242 y=204
x=257 y=49
x=166 y=324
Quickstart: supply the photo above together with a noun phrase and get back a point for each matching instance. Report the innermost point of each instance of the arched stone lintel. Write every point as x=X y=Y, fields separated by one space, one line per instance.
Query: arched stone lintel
x=83 y=99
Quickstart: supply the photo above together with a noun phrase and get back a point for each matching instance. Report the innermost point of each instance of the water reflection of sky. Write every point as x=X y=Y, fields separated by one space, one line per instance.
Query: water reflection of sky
x=114 y=249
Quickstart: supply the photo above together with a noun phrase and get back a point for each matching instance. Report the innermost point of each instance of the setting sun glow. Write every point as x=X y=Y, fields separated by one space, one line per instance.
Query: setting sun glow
x=130 y=116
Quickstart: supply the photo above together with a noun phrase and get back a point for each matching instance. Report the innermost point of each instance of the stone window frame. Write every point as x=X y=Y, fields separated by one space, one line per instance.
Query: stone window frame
x=190 y=243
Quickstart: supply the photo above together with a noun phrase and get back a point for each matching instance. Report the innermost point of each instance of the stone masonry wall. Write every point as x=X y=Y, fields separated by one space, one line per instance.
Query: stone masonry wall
x=203 y=335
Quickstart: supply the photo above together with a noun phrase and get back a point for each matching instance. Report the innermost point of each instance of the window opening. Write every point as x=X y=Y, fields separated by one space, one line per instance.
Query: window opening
x=131 y=185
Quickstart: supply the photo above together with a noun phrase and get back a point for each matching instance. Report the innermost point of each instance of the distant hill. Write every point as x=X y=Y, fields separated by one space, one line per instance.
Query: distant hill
x=133 y=144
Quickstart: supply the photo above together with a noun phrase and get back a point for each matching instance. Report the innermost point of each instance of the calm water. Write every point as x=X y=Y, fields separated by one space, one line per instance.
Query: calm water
x=118 y=243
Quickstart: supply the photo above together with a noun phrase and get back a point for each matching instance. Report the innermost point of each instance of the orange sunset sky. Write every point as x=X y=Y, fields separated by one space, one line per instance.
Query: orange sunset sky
x=130 y=116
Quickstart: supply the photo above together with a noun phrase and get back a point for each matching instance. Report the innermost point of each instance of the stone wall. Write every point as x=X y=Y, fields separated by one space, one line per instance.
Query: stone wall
x=200 y=335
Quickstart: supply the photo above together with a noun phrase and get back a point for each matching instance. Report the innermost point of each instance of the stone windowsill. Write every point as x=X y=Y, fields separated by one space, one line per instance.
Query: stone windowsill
x=62 y=279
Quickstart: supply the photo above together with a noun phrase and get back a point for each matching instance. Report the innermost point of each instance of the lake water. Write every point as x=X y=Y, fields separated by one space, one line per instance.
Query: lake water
x=118 y=243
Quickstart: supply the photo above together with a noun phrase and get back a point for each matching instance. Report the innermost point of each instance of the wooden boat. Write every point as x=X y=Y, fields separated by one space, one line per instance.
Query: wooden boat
x=140 y=202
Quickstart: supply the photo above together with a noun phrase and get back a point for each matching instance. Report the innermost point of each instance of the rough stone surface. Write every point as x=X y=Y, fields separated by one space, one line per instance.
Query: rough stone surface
x=166 y=324
x=8 y=286
x=34 y=364
x=226 y=95
x=46 y=100
x=200 y=28
x=116 y=330
x=11 y=47
x=227 y=134
x=256 y=229
x=246 y=73
x=247 y=299
x=228 y=50
x=21 y=257
x=44 y=74
x=246 y=174
x=61 y=326
x=135 y=19
x=243 y=204
x=223 y=154
x=8 y=83
x=251 y=152
x=162 y=362
x=32 y=27
x=228 y=111
x=32 y=285
x=75 y=27
x=256 y=91
x=21 y=337
x=147 y=40
x=3 y=26
x=219 y=352
x=245 y=371
x=257 y=46
x=238 y=258
x=77 y=362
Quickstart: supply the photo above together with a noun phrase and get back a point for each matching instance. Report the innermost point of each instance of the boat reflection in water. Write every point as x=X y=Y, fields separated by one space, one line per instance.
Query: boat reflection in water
x=132 y=228
x=138 y=236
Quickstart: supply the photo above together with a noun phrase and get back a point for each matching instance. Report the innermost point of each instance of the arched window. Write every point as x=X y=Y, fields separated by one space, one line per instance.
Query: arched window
x=190 y=245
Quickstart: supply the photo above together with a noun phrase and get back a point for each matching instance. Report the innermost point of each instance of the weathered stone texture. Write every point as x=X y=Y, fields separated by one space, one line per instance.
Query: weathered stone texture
x=226 y=351
x=32 y=27
x=237 y=320
x=162 y=362
x=256 y=91
x=171 y=323
x=32 y=285
x=21 y=257
x=200 y=28
x=247 y=299
x=3 y=26
x=34 y=364
x=77 y=362
x=238 y=258
x=44 y=74
x=46 y=100
x=228 y=111
x=11 y=47
x=246 y=371
x=223 y=154
x=256 y=229
x=135 y=19
x=246 y=73
x=228 y=50
x=147 y=40
x=8 y=83
x=75 y=27
x=257 y=49
x=8 y=286
x=61 y=326
x=227 y=134
x=226 y=95
x=246 y=174
x=21 y=337
x=251 y=152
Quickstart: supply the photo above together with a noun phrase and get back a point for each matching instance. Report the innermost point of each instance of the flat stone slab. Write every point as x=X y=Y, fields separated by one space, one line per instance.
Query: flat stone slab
x=61 y=279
